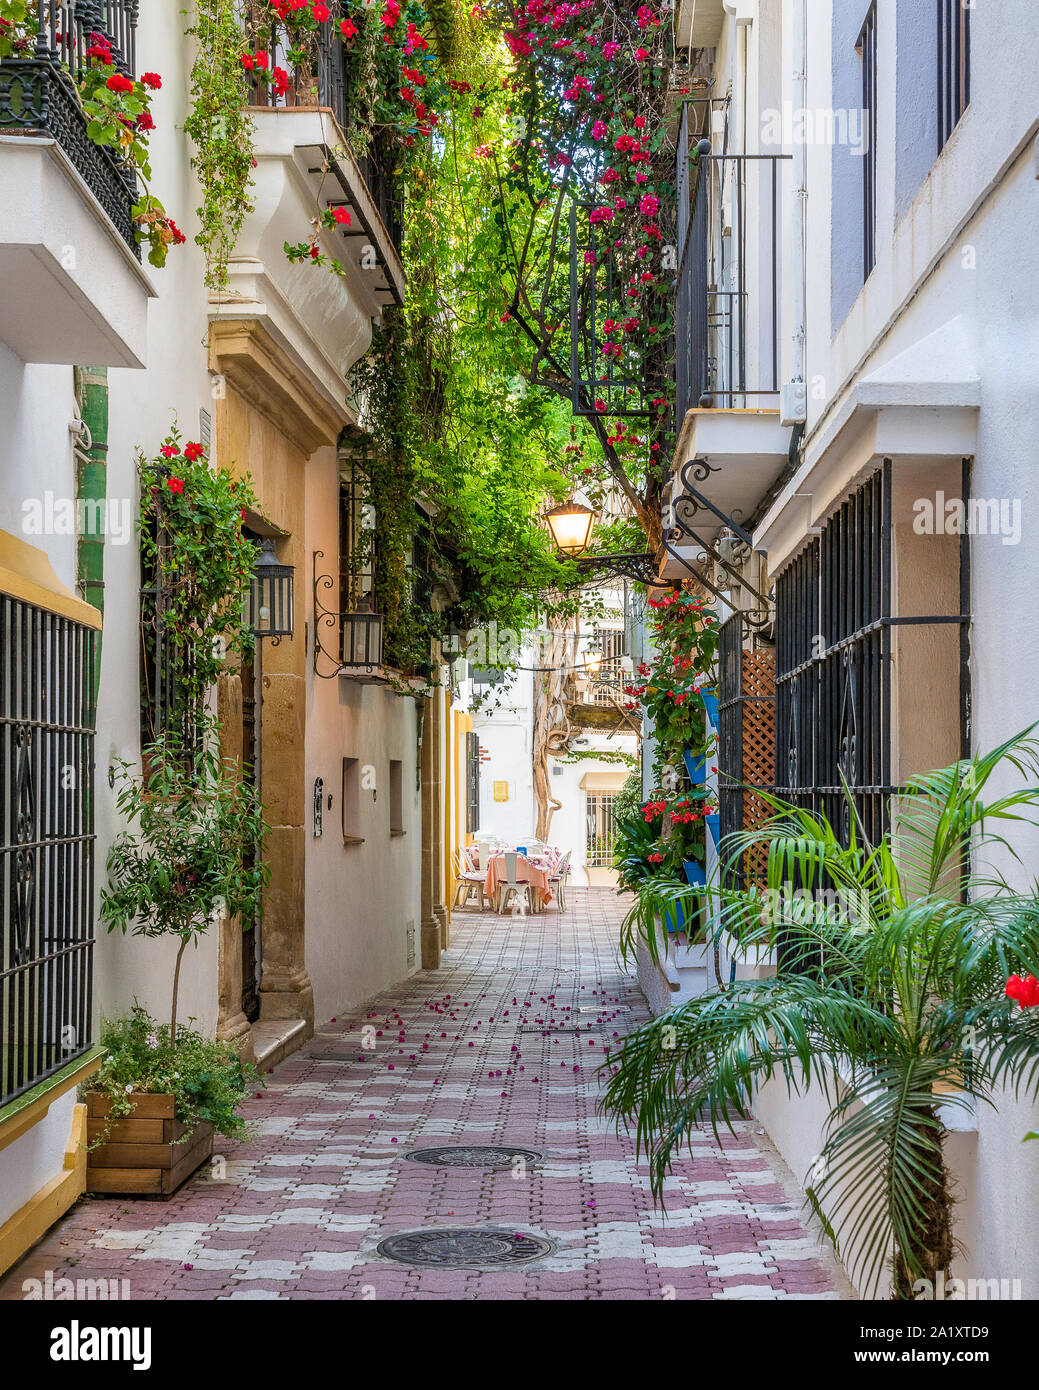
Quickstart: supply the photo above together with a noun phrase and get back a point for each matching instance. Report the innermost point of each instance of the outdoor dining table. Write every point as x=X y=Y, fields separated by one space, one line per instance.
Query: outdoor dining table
x=536 y=872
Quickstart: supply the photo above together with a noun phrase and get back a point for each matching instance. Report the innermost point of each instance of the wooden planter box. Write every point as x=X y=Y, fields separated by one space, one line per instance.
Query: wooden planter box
x=140 y=1156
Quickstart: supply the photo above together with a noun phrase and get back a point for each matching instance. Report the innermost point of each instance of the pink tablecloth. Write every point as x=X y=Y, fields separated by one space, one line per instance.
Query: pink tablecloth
x=526 y=872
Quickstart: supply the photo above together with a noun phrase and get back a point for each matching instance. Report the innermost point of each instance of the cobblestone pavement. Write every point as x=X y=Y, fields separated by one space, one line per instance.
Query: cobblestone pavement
x=298 y=1211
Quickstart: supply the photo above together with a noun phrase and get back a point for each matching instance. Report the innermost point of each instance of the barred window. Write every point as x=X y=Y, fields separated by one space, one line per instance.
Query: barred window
x=601 y=833
x=165 y=707
x=46 y=843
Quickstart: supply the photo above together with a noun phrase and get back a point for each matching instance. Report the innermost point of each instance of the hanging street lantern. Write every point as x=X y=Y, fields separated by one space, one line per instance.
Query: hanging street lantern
x=362 y=636
x=270 y=595
x=571 y=527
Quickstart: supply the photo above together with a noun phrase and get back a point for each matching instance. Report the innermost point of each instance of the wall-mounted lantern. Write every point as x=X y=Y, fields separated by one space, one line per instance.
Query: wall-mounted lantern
x=270 y=595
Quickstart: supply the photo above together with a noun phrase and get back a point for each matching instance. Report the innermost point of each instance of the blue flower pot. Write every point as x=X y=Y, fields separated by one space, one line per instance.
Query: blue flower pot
x=694 y=873
x=696 y=766
x=674 y=918
x=714 y=825
x=710 y=700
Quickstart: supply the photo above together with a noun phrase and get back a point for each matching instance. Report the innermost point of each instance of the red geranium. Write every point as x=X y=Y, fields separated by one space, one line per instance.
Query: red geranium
x=1025 y=991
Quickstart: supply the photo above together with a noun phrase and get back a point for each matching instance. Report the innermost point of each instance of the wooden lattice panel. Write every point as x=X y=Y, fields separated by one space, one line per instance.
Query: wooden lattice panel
x=759 y=746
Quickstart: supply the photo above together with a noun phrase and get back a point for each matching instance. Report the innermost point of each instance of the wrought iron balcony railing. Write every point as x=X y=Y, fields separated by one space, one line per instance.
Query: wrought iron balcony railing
x=727 y=312
x=39 y=93
x=321 y=78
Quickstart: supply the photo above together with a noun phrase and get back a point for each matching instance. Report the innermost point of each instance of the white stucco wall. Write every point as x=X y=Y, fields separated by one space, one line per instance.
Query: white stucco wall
x=955 y=239
x=360 y=897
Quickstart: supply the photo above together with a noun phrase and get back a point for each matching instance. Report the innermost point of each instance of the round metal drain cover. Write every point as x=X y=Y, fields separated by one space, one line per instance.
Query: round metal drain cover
x=474 y=1156
x=464 y=1247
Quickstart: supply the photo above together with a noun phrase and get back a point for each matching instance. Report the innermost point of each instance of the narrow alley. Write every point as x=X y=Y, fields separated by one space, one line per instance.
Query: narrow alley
x=499 y=1048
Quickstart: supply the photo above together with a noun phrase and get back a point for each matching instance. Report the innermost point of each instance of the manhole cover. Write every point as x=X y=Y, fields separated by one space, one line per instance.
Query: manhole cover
x=585 y=1029
x=464 y=1247
x=474 y=1156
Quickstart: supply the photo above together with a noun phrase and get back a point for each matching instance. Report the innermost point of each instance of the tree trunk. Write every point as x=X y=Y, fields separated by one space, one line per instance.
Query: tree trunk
x=932 y=1249
x=176 y=986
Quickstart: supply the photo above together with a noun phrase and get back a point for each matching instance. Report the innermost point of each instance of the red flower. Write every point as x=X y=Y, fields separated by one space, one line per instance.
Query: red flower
x=169 y=451
x=144 y=121
x=321 y=12
x=1025 y=991
x=152 y=80
x=342 y=216
x=261 y=58
x=175 y=485
x=118 y=83
x=347 y=28
x=193 y=452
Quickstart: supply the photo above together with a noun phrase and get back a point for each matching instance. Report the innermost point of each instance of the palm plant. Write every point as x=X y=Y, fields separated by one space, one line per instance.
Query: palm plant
x=889 y=995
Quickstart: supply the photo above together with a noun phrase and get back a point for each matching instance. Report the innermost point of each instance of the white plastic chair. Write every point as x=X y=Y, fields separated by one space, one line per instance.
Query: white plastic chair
x=470 y=881
x=512 y=885
x=559 y=880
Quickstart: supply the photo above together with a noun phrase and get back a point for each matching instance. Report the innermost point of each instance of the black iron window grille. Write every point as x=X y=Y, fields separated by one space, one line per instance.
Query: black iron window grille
x=833 y=665
x=321 y=78
x=953 y=66
x=46 y=843
x=834 y=625
x=38 y=94
x=727 y=306
x=166 y=709
x=866 y=47
x=472 y=783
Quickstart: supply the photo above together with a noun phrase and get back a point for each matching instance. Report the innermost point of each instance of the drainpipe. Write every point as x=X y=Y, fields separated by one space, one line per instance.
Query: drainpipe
x=794 y=402
x=91 y=449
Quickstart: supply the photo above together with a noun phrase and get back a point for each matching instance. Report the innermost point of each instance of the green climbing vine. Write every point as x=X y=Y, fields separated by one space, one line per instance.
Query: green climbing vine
x=219 y=126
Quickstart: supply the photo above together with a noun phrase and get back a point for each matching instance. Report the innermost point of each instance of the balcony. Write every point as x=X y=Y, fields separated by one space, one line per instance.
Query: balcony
x=305 y=164
x=727 y=326
x=69 y=258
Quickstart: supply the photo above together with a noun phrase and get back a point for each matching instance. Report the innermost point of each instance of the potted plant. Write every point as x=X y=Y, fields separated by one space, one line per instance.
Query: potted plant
x=894 y=1000
x=187 y=859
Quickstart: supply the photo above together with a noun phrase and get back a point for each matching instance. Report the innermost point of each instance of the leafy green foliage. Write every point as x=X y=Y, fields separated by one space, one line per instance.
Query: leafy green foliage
x=193 y=545
x=207 y=1078
x=221 y=130
x=191 y=853
x=889 y=996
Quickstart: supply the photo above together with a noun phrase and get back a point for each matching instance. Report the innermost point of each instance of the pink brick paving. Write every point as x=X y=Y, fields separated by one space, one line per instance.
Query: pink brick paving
x=297 y=1211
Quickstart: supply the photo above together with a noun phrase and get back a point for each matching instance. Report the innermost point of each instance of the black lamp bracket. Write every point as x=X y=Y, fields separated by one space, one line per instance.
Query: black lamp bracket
x=324 y=617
